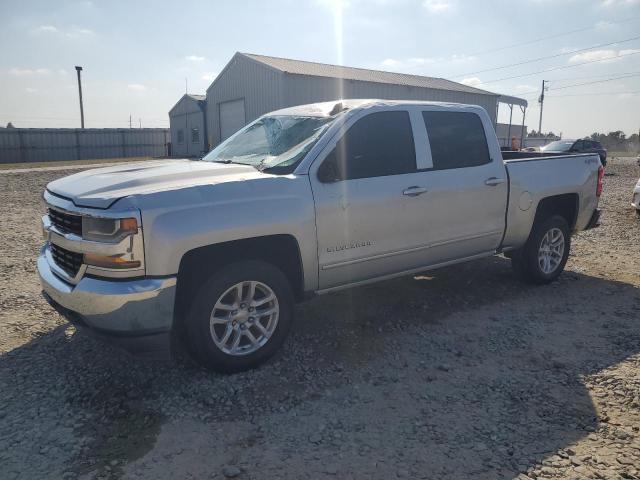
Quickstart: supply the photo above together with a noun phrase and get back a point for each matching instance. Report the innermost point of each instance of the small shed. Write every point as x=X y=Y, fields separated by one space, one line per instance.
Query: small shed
x=188 y=124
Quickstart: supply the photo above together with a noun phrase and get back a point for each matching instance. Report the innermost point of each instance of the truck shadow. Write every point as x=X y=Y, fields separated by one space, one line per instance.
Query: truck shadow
x=459 y=373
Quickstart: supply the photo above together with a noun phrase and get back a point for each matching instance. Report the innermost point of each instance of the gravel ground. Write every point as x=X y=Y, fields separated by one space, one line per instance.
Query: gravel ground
x=457 y=373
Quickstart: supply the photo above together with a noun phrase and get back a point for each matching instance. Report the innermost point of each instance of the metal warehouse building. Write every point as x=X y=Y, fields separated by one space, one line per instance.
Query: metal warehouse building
x=187 y=120
x=252 y=85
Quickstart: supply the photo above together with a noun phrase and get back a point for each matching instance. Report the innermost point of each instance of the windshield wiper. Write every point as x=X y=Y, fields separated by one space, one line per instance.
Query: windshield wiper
x=227 y=161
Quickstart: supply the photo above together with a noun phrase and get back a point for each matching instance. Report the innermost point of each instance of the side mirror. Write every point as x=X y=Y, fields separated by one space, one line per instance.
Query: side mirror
x=329 y=172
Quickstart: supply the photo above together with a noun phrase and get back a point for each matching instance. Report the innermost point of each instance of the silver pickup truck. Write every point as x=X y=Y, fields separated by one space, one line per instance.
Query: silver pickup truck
x=302 y=201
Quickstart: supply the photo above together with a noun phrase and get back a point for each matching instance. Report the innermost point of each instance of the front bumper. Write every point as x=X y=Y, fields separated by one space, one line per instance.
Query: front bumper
x=118 y=308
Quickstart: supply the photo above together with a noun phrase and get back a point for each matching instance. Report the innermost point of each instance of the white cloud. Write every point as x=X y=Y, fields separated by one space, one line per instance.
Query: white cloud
x=194 y=58
x=461 y=58
x=601 y=55
x=395 y=63
x=31 y=90
x=619 y=3
x=71 y=32
x=20 y=72
x=472 y=81
x=437 y=6
x=604 y=25
x=209 y=76
x=136 y=87
x=526 y=89
x=46 y=29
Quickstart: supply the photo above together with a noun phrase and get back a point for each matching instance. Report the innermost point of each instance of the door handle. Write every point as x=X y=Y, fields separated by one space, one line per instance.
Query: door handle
x=414 y=191
x=493 y=181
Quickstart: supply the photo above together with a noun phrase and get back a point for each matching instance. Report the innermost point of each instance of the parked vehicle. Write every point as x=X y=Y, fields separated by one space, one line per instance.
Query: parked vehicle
x=302 y=201
x=577 y=146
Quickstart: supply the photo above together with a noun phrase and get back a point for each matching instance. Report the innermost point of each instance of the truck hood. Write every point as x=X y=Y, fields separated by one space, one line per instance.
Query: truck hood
x=101 y=187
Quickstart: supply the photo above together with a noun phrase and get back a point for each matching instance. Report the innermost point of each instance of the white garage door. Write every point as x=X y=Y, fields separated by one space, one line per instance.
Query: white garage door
x=231 y=117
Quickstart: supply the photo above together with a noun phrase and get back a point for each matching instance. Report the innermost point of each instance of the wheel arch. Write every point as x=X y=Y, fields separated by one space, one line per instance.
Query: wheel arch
x=283 y=251
x=567 y=205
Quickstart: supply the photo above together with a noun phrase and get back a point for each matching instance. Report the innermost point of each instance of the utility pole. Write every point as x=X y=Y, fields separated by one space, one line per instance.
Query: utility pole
x=78 y=70
x=129 y=120
x=140 y=121
x=541 y=102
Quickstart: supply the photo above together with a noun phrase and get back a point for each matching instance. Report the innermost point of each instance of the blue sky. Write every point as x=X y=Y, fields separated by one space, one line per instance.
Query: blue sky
x=137 y=54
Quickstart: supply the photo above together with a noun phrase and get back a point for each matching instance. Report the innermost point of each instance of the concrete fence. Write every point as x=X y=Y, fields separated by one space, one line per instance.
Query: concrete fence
x=49 y=144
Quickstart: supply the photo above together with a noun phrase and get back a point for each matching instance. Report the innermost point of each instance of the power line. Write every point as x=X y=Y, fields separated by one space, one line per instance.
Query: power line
x=550 y=56
x=549 y=37
x=596 y=81
x=590 y=94
x=586 y=77
x=561 y=67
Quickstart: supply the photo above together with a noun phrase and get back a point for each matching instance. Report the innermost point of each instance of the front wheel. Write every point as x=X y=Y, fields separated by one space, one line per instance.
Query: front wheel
x=543 y=258
x=240 y=316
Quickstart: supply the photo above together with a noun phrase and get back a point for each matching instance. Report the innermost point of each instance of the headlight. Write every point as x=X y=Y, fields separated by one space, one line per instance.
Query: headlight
x=109 y=230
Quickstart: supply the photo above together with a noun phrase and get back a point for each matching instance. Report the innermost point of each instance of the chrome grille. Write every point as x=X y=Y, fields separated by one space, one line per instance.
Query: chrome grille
x=68 y=261
x=66 y=222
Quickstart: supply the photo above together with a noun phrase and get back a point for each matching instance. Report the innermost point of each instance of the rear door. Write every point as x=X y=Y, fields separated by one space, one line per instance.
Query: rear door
x=463 y=211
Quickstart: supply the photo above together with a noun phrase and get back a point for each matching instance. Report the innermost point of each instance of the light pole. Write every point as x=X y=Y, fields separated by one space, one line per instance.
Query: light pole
x=78 y=70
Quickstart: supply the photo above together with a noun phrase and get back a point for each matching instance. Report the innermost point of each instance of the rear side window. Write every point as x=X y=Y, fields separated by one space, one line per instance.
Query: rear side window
x=377 y=145
x=457 y=139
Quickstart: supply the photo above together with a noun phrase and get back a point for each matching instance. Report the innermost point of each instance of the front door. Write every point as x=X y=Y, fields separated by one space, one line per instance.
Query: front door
x=363 y=196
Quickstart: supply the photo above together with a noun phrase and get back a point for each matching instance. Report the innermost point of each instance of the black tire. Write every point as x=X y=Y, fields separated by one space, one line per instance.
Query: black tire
x=525 y=260
x=199 y=338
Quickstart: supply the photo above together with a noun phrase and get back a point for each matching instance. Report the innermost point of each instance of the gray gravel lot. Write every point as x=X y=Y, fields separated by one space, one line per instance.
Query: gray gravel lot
x=457 y=373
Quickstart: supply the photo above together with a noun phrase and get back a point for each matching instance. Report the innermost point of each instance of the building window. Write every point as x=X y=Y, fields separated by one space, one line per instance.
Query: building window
x=195 y=135
x=180 y=136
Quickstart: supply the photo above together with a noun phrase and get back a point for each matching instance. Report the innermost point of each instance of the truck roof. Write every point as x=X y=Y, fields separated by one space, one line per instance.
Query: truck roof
x=323 y=109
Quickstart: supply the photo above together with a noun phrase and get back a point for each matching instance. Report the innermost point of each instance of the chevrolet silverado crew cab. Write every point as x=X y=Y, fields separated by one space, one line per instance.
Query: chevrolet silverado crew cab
x=302 y=201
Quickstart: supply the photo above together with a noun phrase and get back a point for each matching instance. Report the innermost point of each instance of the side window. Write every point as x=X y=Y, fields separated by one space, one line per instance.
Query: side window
x=579 y=145
x=457 y=139
x=180 y=136
x=377 y=145
x=195 y=135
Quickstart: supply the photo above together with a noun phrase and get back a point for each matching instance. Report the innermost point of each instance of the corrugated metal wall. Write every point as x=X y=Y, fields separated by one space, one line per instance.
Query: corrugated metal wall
x=265 y=90
x=185 y=116
x=48 y=144
x=260 y=86
x=301 y=89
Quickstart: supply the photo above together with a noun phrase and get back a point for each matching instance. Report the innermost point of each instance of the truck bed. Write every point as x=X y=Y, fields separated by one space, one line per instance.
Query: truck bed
x=534 y=177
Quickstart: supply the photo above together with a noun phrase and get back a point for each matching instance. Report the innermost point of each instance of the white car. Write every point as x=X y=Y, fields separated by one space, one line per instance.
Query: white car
x=636 y=197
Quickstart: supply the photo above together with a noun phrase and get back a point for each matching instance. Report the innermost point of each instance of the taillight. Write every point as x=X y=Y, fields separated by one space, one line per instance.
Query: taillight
x=600 y=177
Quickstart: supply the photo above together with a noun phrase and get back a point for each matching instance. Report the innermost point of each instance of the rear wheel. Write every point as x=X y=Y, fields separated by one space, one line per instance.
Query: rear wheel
x=543 y=258
x=240 y=316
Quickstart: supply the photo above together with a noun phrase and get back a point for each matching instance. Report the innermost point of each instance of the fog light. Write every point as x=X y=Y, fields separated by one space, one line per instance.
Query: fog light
x=112 y=261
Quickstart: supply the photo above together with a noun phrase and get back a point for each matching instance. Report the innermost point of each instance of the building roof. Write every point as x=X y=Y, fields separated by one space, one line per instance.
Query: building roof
x=196 y=98
x=300 y=67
